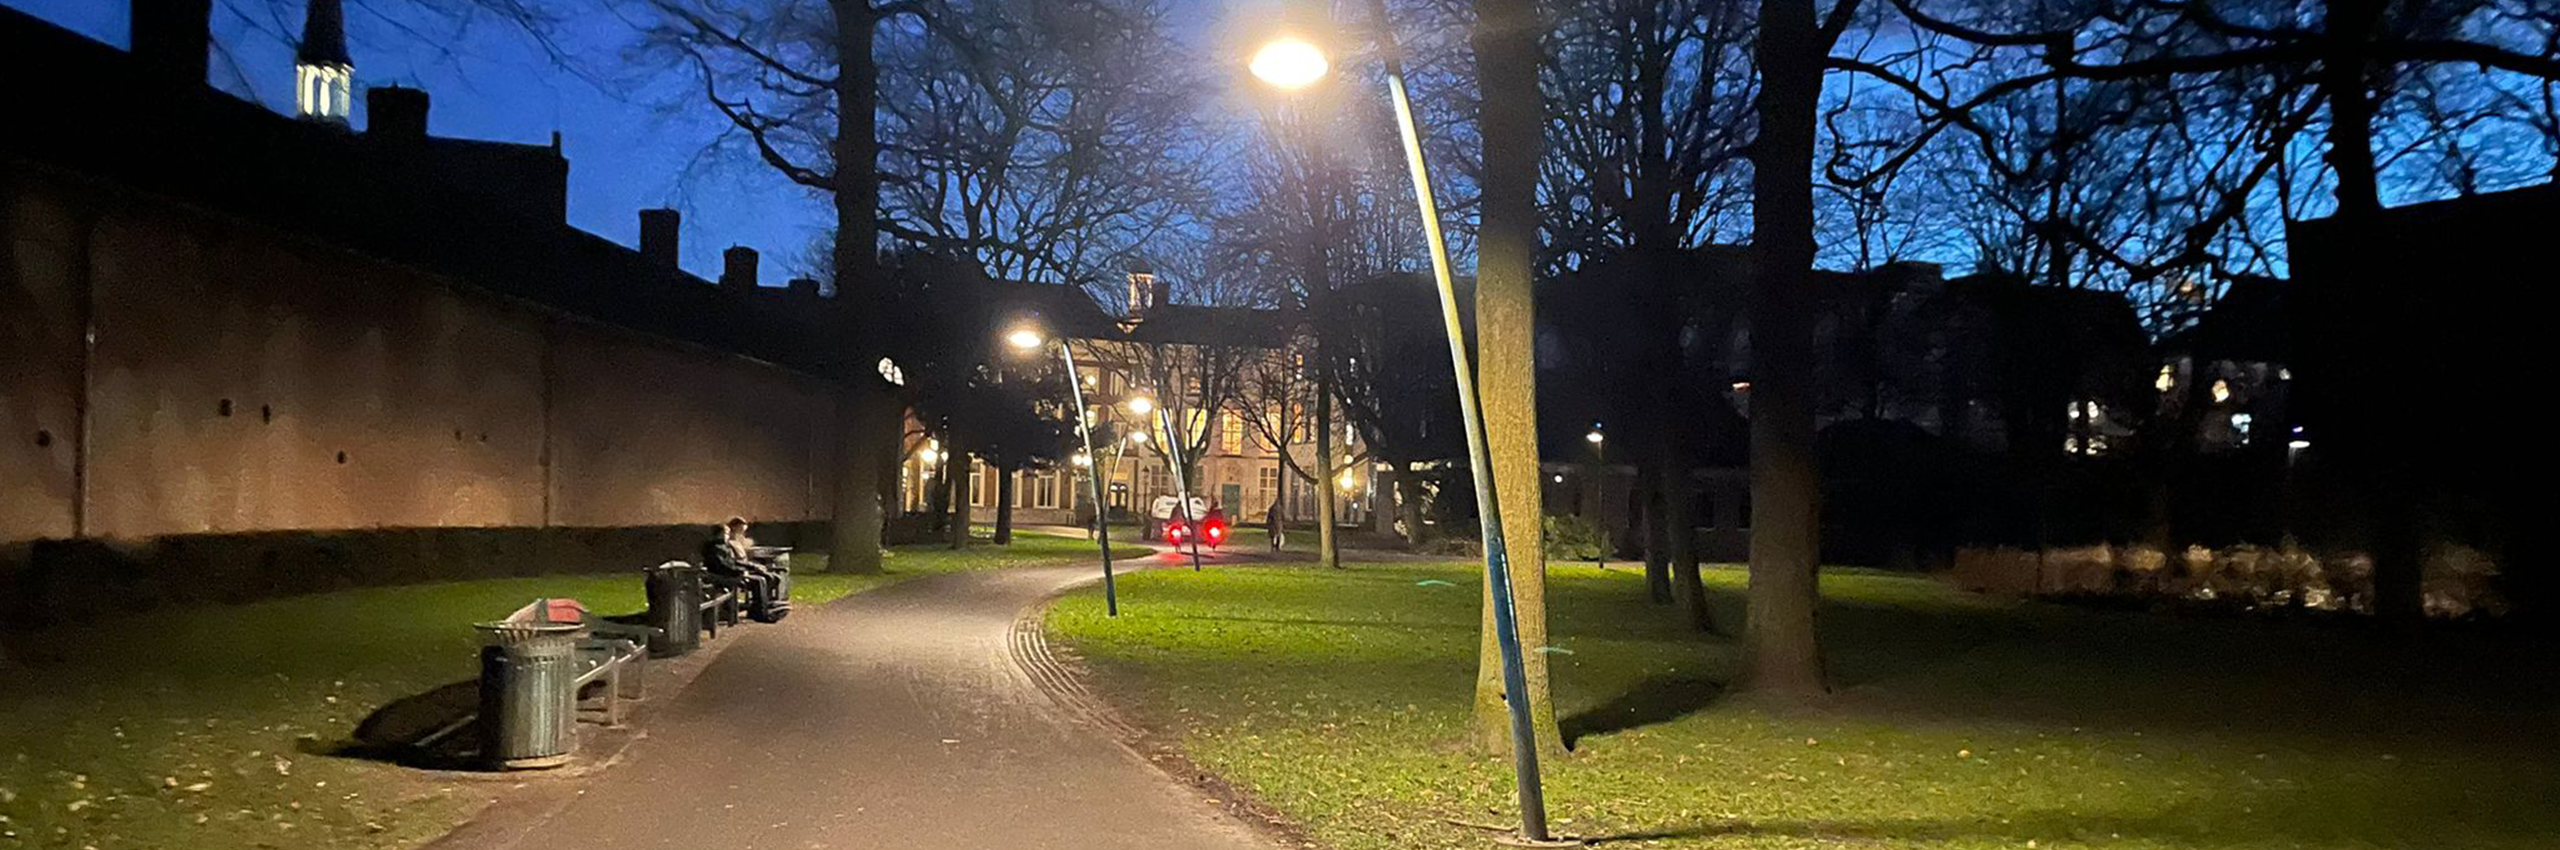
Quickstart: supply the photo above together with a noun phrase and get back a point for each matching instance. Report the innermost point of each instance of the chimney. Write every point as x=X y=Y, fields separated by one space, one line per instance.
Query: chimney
x=738 y=270
x=172 y=39
x=395 y=113
x=804 y=288
x=658 y=243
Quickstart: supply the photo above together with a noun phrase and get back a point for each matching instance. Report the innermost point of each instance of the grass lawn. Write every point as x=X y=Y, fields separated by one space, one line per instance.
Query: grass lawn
x=207 y=728
x=1958 y=721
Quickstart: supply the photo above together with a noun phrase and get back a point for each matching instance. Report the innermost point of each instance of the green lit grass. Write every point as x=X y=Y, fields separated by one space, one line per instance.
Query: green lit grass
x=106 y=734
x=1338 y=697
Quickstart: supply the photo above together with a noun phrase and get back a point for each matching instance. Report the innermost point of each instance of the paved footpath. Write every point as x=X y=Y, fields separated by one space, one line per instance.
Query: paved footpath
x=895 y=718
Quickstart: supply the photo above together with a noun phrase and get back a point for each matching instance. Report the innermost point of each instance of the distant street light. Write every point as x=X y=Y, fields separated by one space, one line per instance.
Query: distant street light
x=1294 y=63
x=1029 y=338
x=1141 y=405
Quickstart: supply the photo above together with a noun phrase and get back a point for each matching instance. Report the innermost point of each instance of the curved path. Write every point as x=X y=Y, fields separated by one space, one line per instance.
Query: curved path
x=896 y=718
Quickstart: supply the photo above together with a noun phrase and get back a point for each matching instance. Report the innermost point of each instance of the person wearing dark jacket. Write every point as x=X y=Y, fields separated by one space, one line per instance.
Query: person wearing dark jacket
x=732 y=557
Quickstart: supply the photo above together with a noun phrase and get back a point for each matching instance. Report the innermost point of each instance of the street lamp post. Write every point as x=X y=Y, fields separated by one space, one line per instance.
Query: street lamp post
x=1600 y=490
x=1181 y=481
x=1028 y=339
x=1291 y=63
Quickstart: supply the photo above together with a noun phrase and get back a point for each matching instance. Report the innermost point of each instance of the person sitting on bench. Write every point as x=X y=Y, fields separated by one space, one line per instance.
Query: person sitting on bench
x=732 y=556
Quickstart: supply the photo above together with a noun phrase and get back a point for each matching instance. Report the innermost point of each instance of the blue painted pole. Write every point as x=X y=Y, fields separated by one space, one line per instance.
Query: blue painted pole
x=1497 y=561
x=1092 y=473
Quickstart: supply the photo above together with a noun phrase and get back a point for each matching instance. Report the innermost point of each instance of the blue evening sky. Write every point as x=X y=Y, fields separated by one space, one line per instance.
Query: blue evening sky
x=626 y=149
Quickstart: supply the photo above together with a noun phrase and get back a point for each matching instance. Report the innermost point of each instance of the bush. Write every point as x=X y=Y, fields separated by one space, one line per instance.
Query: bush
x=1574 y=538
x=2459 y=581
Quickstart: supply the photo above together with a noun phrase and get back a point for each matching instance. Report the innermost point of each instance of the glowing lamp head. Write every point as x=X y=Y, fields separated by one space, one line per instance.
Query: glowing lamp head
x=1289 y=63
x=1142 y=405
x=1138 y=437
x=1595 y=437
x=1025 y=338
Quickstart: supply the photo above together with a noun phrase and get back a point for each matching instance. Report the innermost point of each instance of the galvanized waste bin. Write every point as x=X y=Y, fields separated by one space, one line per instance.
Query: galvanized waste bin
x=675 y=608
x=528 y=700
x=778 y=565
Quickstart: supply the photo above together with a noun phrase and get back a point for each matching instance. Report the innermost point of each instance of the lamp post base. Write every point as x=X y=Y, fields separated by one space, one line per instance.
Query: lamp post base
x=1513 y=839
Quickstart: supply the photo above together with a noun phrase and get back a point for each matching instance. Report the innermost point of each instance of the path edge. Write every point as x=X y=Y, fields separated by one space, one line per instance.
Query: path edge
x=1063 y=681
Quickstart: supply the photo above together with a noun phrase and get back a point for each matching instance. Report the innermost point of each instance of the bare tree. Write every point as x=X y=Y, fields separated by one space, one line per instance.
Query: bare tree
x=797 y=81
x=1781 y=649
x=1194 y=367
x=1049 y=141
x=1318 y=214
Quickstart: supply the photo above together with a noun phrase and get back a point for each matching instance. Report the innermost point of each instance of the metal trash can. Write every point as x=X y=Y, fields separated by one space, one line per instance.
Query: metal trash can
x=778 y=565
x=528 y=702
x=675 y=608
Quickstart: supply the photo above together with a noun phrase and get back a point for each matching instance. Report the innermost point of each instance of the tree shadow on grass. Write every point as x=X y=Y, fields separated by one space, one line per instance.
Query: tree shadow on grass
x=1655 y=699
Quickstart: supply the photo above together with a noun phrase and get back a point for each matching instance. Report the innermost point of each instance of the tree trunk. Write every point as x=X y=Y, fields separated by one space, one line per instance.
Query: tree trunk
x=856 y=150
x=866 y=444
x=1005 y=482
x=1657 y=542
x=2373 y=423
x=960 y=501
x=1781 y=650
x=1511 y=124
x=1328 y=550
x=1680 y=545
x=853 y=542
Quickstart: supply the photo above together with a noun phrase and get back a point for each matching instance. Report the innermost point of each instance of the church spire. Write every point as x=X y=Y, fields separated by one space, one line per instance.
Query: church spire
x=323 y=76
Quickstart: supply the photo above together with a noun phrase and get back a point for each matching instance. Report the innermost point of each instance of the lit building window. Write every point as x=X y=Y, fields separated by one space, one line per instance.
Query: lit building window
x=2168 y=379
x=323 y=92
x=2221 y=391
